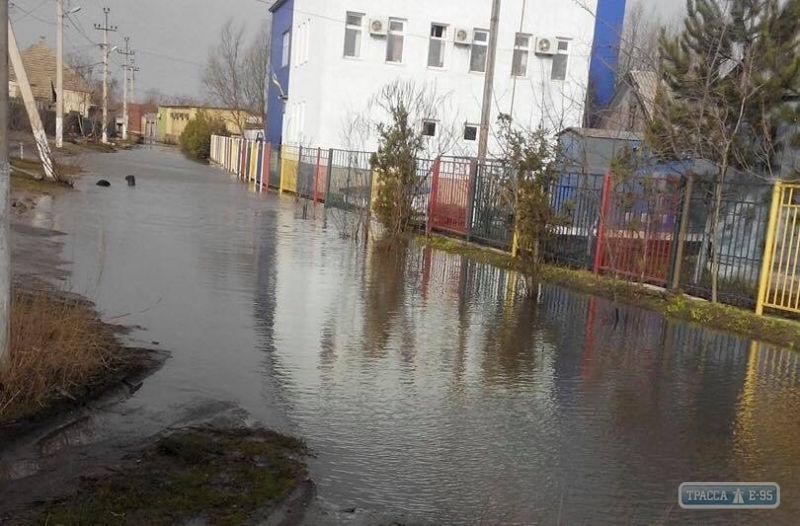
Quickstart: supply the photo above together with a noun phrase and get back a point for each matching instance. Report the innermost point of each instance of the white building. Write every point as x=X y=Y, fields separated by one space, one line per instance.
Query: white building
x=340 y=53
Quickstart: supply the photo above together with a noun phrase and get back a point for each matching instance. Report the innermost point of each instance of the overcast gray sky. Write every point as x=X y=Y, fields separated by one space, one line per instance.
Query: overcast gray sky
x=171 y=37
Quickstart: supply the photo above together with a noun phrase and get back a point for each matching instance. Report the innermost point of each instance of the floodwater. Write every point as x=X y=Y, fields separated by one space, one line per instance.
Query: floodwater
x=425 y=386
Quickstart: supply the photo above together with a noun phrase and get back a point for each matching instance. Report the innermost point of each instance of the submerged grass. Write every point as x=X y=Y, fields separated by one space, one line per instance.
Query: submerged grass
x=218 y=476
x=59 y=348
x=770 y=329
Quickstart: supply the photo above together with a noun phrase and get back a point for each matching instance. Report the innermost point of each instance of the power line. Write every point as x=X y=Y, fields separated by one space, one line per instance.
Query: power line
x=29 y=13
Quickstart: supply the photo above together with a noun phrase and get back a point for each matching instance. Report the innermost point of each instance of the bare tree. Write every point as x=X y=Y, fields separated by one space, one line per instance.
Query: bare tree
x=411 y=122
x=235 y=75
x=638 y=48
x=255 y=72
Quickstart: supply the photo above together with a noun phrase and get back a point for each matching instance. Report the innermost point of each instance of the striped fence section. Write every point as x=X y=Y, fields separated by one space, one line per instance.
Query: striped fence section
x=649 y=228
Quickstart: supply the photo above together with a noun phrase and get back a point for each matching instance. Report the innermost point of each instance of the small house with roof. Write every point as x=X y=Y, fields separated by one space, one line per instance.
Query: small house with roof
x=40 y=65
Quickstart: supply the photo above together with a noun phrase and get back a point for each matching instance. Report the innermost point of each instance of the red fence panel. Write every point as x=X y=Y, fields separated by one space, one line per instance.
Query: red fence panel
x=637 y=227
x=449 y=209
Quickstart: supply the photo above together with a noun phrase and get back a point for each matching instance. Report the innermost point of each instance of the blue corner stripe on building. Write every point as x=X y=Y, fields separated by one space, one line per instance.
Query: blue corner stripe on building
x=282 y=18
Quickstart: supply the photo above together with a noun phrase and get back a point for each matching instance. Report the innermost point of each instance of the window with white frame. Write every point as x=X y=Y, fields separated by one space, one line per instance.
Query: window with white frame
x=352 y=34
x=302 y=42
x=470 y=132
x=522 y=48
x=394 y=42
x=479 y=51
x=287 y=45
x=436 y=49
x=560 y=61
x=429 y=128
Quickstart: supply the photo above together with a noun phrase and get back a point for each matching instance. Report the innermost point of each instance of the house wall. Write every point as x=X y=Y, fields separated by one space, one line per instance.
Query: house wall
x=74 y=101
x=282 y=15
x=625 y=112
x=326 y=90
x=172 y=120
x=78 y=102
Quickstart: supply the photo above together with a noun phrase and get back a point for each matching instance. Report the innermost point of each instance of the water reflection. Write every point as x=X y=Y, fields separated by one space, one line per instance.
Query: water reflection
x=457 y=399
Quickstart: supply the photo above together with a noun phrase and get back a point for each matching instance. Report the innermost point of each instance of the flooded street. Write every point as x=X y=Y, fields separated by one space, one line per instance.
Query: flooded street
x=426 y=388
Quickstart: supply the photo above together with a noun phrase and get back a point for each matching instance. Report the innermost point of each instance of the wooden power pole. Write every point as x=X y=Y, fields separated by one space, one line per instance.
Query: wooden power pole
x=59 y=73
x=5 y=201
x=125 y=69
x=104 y=46
x=488 y=85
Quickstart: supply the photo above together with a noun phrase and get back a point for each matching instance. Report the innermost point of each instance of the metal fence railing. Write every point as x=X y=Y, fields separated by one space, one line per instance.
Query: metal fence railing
x=650 y=227
x=575 y=201
x=492 y=217
x=349 y=184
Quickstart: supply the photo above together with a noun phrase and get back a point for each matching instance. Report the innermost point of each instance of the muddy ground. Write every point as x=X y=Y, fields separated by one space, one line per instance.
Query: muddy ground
x=50 y=468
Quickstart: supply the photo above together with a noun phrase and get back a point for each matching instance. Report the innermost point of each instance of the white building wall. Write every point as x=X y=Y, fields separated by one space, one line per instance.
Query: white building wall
x=327 y=90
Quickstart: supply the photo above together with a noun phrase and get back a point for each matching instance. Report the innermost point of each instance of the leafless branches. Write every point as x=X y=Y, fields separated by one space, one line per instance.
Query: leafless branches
x=235 y=75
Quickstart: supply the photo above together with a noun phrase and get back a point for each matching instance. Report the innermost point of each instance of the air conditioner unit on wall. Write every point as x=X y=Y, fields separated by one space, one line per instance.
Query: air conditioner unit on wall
x=378 y=27
x=546 y=46
x=462 y=36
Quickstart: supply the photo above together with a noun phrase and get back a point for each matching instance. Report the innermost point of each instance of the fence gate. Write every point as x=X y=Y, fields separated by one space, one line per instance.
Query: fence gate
x=779 y=283
x=493 y=215
x=450 y=189
x=637 y=227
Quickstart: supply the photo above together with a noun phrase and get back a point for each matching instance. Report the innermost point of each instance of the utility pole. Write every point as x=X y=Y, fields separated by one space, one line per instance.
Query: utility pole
x=60 y=14
x=59 y=73
x=104 y=46
x=488 y=85
x=125 y=69
x=5 y=202
x=134 y=69
x=24 y=86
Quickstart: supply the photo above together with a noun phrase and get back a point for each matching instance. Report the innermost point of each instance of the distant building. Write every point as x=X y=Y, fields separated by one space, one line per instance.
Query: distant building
x=149 y=127
x=40 y=66
x=172 y=120
x=329 y=58
x=631 y=108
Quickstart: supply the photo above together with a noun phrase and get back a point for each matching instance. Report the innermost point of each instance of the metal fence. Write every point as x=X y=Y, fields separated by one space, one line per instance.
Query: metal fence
x=637 y=227
x=575 y=201
x=650 y=228
x=741 y=231
x=492 y=215
x=349 y=182
x=779 y=286
x=450 y=195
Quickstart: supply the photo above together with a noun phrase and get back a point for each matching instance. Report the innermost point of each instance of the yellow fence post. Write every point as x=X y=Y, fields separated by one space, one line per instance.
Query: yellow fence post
x=283 y=171
x=769 y=249
x=515 y=244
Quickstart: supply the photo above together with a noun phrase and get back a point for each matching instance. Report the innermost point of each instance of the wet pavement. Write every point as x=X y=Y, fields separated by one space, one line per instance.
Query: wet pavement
x=428 y=390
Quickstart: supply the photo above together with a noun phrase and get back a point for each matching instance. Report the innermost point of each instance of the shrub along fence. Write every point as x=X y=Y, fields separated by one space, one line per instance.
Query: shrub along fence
x=653 y=228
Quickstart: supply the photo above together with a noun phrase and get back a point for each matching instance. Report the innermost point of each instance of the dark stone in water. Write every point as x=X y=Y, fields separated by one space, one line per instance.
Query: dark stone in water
x=131 y=180
x=103 y=183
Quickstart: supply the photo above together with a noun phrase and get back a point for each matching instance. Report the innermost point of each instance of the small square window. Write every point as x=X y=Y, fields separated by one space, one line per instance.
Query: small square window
x=429 y=128
x=563 y=45
x=470 y=132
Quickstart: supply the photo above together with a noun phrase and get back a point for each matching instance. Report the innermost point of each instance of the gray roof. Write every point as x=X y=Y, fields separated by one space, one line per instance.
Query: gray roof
x=40 y=65
x=645 y=85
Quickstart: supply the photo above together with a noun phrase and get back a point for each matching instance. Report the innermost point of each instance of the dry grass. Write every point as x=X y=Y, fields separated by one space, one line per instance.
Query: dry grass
x=67 y=169
x=59 y=350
